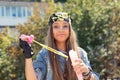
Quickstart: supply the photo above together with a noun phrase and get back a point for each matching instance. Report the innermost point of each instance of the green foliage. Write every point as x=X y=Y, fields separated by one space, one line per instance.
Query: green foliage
x=38 y=24
x=8 y=67
x=97 y=24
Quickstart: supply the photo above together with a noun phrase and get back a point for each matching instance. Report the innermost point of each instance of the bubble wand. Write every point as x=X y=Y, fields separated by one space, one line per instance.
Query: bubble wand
x=73 y=57
x=30 y=39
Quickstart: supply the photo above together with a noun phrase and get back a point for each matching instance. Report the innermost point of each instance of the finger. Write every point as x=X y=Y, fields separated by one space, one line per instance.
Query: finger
x=78 y=69
x=24 y=37
x=79 y=60
x=79 y=66
x=74 y=63
x=81 y=69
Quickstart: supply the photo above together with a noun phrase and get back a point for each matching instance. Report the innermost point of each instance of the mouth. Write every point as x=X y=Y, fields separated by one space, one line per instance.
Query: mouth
x=61 y=34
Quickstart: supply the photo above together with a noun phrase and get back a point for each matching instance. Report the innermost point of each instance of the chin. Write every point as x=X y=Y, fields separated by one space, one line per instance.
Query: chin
x=61 y=40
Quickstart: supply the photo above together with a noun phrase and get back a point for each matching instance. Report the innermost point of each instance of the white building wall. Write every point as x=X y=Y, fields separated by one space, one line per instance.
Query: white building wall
x=12 y=14
x=10 y=17
x=12 y=21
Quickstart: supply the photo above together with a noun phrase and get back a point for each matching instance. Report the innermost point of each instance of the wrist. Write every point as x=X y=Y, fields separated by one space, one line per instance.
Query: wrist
x=28 y=53
x=87 y=75
x=28 y=58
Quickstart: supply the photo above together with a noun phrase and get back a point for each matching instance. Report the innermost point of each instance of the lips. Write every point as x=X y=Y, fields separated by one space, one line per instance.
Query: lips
x=61 y=35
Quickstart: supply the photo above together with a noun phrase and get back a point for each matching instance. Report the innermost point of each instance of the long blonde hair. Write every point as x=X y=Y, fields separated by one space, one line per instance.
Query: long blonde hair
x=71 y=43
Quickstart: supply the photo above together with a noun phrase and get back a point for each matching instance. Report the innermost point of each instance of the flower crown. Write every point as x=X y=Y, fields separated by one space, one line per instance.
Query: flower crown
x=61 y=16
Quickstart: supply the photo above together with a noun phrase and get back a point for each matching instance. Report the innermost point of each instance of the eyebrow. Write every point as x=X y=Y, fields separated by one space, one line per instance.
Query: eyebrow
x=58 y=23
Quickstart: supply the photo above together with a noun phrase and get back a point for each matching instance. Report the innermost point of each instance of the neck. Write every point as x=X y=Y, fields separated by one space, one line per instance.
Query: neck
x=61 y=46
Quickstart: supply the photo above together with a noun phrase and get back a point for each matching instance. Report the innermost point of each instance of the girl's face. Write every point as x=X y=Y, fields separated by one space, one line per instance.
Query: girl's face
x=60 y=31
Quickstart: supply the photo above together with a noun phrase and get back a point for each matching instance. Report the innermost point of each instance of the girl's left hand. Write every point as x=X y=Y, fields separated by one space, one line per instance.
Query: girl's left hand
x=79 y=66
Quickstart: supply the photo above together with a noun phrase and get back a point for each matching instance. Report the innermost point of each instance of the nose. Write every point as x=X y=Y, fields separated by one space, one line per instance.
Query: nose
x=61 y=28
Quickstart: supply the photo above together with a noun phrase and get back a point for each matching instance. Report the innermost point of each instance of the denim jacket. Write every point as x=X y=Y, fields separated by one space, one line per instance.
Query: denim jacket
x=43 y=68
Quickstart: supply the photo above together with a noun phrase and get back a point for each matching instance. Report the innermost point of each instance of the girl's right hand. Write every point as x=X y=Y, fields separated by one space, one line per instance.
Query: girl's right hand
x=27 y=50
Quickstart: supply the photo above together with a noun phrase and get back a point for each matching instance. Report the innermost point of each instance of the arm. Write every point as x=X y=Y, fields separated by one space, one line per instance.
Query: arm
x=29 y=70
x=39 y=65
x=28 y=53
x=92 y=77
x=36 y=70
x=84 y=58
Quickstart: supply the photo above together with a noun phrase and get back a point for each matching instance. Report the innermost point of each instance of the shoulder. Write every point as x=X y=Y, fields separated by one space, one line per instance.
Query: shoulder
x=42 y=54
x=84 y=57
x=40 y=64
x=82 y=52
x=43 y=51
x=40 y=60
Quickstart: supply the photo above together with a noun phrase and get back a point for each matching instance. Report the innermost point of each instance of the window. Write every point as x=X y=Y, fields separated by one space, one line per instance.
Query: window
x=41 y=12
x=3 y=11
x=13 y=11
x=19 y=12
x=24 y=12
x=28 y=11
x=7 y=10
x=0 y=11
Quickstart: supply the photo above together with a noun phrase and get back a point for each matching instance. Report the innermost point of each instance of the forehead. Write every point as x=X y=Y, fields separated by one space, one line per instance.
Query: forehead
x=60 y=23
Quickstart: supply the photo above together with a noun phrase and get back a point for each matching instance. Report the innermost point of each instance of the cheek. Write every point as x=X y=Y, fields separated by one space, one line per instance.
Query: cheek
x=67 y=34
x=56 y=35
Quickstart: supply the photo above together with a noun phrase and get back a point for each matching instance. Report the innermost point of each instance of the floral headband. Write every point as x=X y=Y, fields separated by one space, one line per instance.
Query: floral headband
x=62 y=16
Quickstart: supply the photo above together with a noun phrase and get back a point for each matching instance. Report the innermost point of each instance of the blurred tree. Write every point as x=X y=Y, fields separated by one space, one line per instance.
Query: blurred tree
x=38 y=23
x=8 y=67
x=28 y=0
x=62 y=1
x=97 y=23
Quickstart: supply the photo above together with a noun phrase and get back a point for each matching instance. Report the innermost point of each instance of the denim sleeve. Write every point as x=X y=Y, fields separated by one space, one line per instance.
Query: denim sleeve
x=40 y=66
x=84 y=57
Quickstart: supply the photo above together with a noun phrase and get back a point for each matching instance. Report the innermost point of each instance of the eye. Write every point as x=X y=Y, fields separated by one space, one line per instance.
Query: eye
x=65 y=27
x=55 y=27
